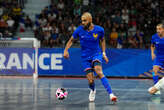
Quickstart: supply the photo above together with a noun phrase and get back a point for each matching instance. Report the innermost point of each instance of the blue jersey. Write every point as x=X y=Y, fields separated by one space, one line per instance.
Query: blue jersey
x=159 y=46
x=89 y=40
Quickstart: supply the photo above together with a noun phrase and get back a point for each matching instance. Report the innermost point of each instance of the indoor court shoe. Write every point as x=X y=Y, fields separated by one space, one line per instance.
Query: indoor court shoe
x=92 y=95
x=113 y=98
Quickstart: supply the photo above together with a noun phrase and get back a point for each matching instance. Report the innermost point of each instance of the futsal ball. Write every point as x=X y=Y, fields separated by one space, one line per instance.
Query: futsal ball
x=61 y=93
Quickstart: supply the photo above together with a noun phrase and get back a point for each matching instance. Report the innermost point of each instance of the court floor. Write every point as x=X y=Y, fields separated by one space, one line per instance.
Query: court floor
x=30 y=94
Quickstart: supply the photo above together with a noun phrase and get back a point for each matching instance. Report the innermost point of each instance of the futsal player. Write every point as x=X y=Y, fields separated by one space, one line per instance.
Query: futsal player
x=91 y=38
x=157 y=52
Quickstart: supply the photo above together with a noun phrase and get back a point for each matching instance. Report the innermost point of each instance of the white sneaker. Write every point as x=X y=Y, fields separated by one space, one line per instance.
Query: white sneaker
x=158 y=92
x=113 y=98
x=92 y=95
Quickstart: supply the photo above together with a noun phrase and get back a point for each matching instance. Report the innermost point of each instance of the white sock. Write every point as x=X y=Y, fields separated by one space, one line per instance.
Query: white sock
x=111 y=95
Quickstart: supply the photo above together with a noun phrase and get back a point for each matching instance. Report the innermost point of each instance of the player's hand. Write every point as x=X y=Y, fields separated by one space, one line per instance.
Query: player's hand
x=105 y=58
x=153 y=56
x=66 y=54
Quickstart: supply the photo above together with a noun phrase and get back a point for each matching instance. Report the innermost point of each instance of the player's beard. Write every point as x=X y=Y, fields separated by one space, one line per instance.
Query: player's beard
x=162 y=34
x=159 y=34
x=87 y=26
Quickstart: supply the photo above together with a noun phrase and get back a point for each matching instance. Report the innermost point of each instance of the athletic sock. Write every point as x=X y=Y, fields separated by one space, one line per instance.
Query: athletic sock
x=105 y=82
x=155 y=78
x=92 y=86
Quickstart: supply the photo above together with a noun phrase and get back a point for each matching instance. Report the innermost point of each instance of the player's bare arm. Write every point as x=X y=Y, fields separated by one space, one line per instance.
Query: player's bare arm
x=68 y=45
x=152 y=52
x=103 y=46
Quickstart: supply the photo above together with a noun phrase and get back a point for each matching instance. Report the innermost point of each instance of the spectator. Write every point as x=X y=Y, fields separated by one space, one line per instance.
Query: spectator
x=47 y=30
x=28 y=22
x=121 y=40
x=117 y=19
x=3 y=25
x=17 y=12
x=10 y=23
x=5 y=16
x=139 y=38
x=42 y=21
x=60 y=5
x=54 y=40
x=125 y=17
x=132 y=43
x=113 y=38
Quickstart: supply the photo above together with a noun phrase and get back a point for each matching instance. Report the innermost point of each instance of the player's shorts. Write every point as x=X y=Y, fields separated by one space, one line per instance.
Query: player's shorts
x=158 y=62
x=89 y=63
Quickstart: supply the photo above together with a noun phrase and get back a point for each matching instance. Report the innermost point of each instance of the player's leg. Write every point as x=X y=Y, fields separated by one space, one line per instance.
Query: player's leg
x=159 y=85
x=90 y=78
x=89 y=74
x=104 y=80
x=91 y=84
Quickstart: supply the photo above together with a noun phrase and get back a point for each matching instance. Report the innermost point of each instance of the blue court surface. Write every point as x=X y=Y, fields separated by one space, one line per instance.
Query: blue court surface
x=39 y=94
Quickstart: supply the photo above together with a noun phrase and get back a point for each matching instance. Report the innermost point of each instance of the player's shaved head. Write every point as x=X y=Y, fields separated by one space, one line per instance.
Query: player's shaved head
x=161 y=25
x=86 y=20
x=88 y=16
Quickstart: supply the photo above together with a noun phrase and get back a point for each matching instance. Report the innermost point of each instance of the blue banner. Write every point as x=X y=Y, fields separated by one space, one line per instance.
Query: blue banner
x=122 y=62
x=16 y=61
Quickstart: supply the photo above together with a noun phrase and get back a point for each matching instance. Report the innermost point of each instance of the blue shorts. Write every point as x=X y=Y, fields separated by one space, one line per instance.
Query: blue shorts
x=158 y=62
x=87 y=63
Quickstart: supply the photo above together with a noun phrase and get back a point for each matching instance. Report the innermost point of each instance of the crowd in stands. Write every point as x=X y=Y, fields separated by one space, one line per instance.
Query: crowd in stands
x=127 y=23
x=10 y=16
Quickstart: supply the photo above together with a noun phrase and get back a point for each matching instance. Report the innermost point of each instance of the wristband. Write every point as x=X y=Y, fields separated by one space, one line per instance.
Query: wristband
x=104 y=53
